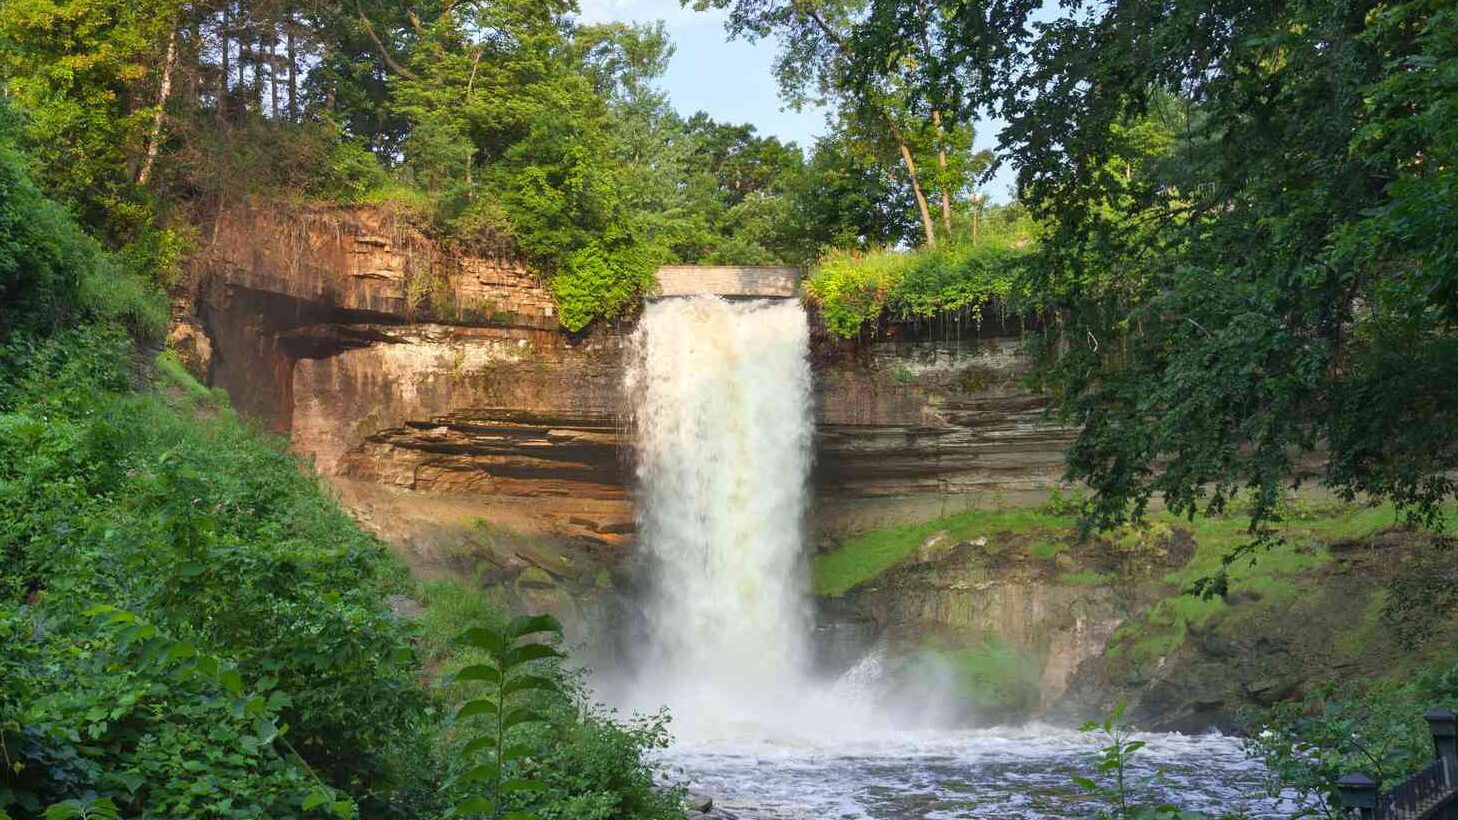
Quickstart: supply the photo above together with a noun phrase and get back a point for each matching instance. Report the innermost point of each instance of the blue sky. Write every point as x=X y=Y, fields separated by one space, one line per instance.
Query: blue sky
x=732 y=79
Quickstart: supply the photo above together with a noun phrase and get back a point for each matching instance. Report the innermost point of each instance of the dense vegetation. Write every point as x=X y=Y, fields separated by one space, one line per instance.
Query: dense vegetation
x=192 y=627
x=505 y=125
x=1235 y=221
x=1249 y=254
x=1245 y=266
x=855 y=289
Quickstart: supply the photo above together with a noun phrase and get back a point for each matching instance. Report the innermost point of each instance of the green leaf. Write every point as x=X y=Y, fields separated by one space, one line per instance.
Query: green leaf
x=231 y=681
x=476 y=745
x=483 y=638
x=519 y=815
x=207 y=666
x=513 y=786
x=526 y=682
x=530 y=652
x=481 y=771
x=532 y=624
x=479 y=671
x=516 y=717
x=191 y=569
x=479 y=706
x=517 y=751
x=473 y=806
x=315 y=799
x=181 y=651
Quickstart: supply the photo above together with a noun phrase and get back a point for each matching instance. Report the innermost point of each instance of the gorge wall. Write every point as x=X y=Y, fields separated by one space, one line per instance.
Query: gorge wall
x=437 y=393
x=407 y=370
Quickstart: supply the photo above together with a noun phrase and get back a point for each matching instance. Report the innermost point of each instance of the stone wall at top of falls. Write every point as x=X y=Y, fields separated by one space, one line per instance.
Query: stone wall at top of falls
x=435 y=388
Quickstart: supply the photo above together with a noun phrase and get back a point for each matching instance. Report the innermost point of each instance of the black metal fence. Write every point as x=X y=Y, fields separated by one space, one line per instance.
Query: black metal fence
x=1430 y=794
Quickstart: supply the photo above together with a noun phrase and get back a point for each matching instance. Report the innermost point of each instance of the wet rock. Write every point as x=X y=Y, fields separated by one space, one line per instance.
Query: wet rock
x=701 y=803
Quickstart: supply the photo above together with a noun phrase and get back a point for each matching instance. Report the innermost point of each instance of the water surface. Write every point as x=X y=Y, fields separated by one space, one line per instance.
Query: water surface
x=1006 y=773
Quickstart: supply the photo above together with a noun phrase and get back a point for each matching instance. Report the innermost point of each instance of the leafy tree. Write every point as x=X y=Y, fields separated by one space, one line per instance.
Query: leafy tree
x=905 y=78
x=1250 y=269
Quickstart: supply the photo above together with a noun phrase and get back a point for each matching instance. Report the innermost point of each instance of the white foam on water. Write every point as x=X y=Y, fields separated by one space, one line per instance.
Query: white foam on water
x=1016 y=773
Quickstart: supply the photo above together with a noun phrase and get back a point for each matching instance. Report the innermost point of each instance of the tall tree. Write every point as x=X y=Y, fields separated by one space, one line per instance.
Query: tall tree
x=817 y=64
x=1253 y=274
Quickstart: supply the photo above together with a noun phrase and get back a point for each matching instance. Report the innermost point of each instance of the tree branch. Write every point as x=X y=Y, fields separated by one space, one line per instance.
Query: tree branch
x=384 y=52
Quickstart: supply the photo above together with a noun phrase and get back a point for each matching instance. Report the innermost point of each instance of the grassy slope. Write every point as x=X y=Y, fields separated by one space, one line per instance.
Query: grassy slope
x=1293 y=580
x=1276 y=577
x=865 y=557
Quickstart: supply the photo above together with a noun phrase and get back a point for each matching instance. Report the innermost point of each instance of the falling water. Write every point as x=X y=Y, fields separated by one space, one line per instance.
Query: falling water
x=721 y=394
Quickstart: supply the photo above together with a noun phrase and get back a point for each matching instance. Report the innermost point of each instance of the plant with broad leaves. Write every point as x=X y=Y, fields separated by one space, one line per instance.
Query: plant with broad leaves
x=1112 y=763
x=512 y=670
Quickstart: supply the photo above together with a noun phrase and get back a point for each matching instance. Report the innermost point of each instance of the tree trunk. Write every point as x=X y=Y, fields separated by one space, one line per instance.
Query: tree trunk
x=927 y=226
x=843 y=49
x=942 y=167
x=223 y=64
x=470 y=89
x=293 y=58
x=163 y=93
x=273 y=75
x=242 y=63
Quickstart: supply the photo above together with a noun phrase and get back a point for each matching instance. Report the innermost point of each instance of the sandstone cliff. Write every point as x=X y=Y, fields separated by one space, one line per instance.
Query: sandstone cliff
x=435 y=388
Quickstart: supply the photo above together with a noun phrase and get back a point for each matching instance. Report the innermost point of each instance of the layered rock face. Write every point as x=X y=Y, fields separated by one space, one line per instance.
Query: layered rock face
x=411 y=374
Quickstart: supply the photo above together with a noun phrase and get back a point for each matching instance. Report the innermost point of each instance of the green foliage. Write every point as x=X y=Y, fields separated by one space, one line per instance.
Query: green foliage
x=596 y=281
x=853 y=289
x=51 y=272
x=586 y=764
x=72 y=67
x=1242 y=272
x=513 y=669
x=1376 y=729
x=194 y=628
x=1119 y=788
x=222 y=546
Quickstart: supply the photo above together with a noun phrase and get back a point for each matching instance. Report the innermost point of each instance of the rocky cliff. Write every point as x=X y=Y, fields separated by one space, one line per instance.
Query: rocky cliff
x=434 y=387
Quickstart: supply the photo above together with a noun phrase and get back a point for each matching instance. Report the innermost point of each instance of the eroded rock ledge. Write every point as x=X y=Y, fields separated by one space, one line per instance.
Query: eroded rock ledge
x=405 y=370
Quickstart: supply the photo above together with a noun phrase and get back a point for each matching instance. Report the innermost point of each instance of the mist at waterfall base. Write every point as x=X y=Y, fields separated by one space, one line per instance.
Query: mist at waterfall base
x=723 y=426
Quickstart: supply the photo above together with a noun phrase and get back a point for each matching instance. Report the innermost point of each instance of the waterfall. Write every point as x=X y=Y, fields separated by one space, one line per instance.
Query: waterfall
x=722 y=410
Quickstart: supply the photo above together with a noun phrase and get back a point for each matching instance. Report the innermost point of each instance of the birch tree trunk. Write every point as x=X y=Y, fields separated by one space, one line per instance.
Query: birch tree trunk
x=223 y=68
x=927 y=226
x=942 y=167
x=163 y=93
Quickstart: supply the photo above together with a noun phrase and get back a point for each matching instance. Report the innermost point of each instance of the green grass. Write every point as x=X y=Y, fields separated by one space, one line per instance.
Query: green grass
x=1272 y=575
x=865 y=557
x=452 y=606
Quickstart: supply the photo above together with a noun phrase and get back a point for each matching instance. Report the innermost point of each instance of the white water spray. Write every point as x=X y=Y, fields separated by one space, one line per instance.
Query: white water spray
x=721 y=394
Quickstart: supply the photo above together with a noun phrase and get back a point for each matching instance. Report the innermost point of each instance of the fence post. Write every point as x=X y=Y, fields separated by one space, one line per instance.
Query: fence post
x=1359 y=792
x=1444 y=725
